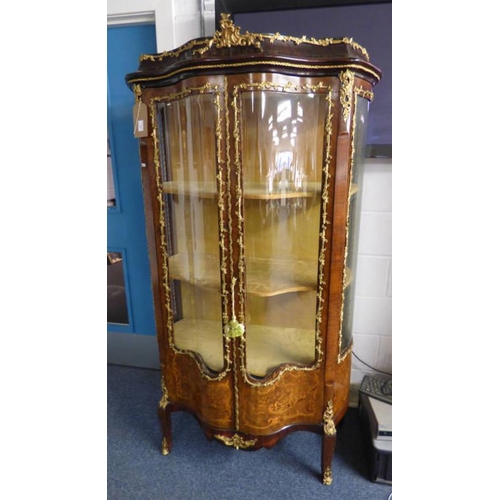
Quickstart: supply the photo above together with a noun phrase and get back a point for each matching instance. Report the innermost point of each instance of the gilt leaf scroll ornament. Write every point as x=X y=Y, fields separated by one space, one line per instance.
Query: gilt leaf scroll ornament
x=347 y=84
x=236 y=441
x=164 y=399
x=230 y=36
x=329 y=424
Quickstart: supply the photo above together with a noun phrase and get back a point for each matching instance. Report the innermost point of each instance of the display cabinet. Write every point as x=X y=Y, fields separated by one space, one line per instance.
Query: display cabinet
x=251 y=147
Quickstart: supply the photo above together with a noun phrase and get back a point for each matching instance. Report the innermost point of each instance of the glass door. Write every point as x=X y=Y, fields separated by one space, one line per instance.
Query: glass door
x=189 y=127
x=283 y=198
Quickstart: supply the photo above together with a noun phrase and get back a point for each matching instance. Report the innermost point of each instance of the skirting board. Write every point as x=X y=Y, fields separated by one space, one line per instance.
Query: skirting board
x=131 y=349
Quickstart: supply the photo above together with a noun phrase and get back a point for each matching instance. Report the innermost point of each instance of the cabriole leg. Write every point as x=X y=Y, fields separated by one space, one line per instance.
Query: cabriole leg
x=165 y=420
x=329 y=439
x=326 y=459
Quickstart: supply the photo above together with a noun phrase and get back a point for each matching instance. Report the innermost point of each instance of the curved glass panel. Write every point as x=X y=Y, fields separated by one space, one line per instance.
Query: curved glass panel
x=360 y=121
x=282 y=143
x=188 y=175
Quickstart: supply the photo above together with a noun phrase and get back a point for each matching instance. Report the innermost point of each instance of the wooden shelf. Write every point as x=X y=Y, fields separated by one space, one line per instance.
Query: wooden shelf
x=268 y=277
x=200 y=270
x=251 y=191
x=254 y=191
x=198 y=189
x=265 y=277
x=267 y=346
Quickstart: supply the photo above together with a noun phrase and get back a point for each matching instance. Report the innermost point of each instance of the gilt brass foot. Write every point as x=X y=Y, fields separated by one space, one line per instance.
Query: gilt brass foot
x=327 y=476
x=164 y=447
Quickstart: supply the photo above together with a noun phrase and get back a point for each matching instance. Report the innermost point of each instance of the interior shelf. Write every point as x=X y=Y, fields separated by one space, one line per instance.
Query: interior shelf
x=251 y=191
x=264 y=277
x=267 y=346
x=199 y=270
x=254 y=191
x=186 y=188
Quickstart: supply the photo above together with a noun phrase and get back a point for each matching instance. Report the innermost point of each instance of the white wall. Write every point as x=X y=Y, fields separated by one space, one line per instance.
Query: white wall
x=178 y=21
x=372 y=324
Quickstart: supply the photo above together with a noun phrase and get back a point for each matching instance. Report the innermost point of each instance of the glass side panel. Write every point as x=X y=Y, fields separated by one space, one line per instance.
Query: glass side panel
x=188 y=159
x=282 y=158
x=354 y=216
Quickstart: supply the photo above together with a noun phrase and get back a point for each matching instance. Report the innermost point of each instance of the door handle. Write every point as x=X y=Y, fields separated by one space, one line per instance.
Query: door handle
x=233 y=328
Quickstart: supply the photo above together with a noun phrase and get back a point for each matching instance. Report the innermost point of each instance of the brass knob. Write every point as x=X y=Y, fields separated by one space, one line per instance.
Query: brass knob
x=233 y=329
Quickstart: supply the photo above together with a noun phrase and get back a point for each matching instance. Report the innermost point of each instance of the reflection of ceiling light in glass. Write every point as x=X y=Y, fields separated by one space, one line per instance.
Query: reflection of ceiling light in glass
x=284 y=110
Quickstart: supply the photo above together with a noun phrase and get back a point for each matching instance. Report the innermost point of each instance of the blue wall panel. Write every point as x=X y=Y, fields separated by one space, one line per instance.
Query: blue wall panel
x=126 y=221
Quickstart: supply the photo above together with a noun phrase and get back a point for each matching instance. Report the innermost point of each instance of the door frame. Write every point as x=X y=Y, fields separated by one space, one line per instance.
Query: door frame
x=158 y=12
x=176 y=21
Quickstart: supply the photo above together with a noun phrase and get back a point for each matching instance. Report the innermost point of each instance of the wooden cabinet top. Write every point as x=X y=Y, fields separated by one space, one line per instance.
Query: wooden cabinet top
x=230 y=51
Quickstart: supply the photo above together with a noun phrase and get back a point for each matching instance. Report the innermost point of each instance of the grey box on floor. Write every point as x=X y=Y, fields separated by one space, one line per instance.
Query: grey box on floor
x=376 y=429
